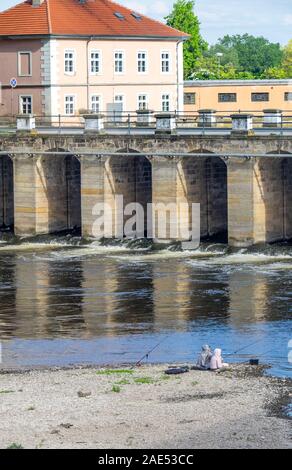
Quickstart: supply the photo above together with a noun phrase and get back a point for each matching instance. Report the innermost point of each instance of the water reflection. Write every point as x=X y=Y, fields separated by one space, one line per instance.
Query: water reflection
x=83 y=294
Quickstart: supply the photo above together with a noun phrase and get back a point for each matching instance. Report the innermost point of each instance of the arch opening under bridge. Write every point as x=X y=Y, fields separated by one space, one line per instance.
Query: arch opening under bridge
x=272 y=198
x=128 y=180
x=59 y=193
x=203 y=180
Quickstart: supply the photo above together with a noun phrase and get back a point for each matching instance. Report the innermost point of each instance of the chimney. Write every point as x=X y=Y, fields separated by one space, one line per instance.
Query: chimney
x=36 y=3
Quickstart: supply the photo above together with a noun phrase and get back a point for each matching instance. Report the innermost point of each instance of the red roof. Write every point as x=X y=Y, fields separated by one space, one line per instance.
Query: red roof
x=72 y=17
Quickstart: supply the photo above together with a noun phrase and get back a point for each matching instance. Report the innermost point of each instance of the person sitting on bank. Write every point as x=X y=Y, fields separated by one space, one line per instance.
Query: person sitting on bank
x=204 y=358
x=217 y=360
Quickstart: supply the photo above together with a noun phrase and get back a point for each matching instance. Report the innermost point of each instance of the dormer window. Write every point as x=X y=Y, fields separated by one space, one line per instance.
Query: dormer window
x=119 y=15
x=136 y=16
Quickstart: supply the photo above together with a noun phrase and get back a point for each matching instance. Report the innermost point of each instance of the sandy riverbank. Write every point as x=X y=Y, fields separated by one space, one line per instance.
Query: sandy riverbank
x=239 y=408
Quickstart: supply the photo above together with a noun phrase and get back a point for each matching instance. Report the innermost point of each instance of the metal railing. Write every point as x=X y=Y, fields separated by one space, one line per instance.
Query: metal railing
x=131 y=120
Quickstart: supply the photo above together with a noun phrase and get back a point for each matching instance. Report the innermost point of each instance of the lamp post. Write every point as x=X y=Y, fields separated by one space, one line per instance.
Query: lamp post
x=219 y=55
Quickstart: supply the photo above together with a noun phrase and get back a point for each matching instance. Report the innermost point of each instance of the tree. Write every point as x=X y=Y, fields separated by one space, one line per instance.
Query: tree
x=209 y=68
x=183 y=18
x=274 y=72
x=255 y=54
x=287 y=59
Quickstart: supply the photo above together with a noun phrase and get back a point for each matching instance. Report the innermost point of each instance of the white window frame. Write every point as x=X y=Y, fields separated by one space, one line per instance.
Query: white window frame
x=74 y=105
x=146 y=61
x=162 y=60
x=166 y=93
x=21 y=104
x=120 y=51
x=146 y=101
x=19 y=64
x=120 y=101
x=95 y=51
x=73 y=52
x=100 y=102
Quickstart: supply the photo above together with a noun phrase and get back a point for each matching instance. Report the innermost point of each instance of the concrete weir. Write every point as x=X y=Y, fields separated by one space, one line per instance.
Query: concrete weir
x=242 y=183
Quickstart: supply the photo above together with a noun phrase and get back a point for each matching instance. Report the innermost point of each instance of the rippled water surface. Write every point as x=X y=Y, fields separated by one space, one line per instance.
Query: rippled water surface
x=67 y=301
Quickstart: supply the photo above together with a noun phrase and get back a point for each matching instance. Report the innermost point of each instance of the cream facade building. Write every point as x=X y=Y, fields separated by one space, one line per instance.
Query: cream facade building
x=68 y=56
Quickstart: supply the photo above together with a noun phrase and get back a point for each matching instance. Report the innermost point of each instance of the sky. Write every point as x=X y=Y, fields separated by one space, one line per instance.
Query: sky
x=269 y=18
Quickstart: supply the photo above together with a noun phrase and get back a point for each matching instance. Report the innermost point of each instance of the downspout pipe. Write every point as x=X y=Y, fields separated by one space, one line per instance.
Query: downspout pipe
x=87 y=73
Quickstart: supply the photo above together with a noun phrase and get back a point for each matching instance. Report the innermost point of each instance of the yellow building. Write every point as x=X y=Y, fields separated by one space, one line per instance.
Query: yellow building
x=227 y=96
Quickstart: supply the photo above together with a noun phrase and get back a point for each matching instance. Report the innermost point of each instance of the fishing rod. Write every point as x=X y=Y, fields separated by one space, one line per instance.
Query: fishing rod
x=245 y=347
x=149 y=352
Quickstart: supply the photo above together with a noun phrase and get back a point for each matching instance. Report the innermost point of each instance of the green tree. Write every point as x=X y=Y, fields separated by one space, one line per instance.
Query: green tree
x=274 y=72
x=209 y=68
x=287 y=59
x=255 y=54
x=183 y=18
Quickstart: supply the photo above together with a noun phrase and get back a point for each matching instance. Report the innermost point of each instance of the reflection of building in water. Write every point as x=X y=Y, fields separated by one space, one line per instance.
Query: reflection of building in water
x=249 y=296
x=186 y=295
x=117 y=301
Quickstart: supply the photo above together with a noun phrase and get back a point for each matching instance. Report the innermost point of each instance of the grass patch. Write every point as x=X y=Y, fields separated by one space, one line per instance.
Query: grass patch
x=6 y=391
x=144 y=380
x=14 y=445
x=195 y=383
x=116 y=389
x=165 y=377
x=123 y=382
x=114 y=371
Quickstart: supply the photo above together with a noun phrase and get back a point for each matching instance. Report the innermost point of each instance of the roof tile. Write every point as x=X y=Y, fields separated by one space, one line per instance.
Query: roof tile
x=70 y=17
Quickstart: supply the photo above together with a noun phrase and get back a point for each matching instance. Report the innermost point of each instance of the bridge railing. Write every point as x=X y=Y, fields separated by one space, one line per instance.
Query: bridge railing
x=199 y=121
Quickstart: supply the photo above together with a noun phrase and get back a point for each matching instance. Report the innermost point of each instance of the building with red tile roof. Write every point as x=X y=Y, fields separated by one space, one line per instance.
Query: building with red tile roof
x=101 y=18
x=68 y=56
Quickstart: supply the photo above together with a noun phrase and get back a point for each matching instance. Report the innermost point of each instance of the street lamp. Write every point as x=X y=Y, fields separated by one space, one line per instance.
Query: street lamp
x=219 y=55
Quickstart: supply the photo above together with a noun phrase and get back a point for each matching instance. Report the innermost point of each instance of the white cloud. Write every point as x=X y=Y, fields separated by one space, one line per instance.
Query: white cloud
x=287 y=20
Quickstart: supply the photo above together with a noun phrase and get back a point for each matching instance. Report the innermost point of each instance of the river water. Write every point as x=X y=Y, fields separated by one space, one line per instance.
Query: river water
x=69 y=301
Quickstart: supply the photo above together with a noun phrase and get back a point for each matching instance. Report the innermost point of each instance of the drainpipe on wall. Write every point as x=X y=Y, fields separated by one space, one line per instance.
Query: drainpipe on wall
x=178 y=76
x=87 y=66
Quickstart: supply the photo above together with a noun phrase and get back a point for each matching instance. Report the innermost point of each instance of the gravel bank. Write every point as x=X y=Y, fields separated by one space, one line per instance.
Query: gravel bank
x=91 y=408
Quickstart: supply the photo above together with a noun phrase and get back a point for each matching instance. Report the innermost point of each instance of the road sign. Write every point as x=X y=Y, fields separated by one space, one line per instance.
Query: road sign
x=13 y=83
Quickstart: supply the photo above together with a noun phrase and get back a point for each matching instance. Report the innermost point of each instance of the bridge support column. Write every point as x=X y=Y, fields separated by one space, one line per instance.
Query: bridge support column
x=257 y=201
x=92 y=190
x=170 y=215
x=240 y=179
x=25 y=202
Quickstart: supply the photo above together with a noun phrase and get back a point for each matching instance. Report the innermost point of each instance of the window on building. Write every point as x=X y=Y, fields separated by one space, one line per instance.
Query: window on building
x=69 y=62
x=24 y=64
x=288 y=96
x=142 y=102
x=142 y=61
x=227 y=97
x=189 y=98
x=120 y=99
x=165 y=62
x=165 y=102
x=70 y=104
x=95 y=104
x=119 y=62
x=260 y=97
x=25 y=104
x=95 y=62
